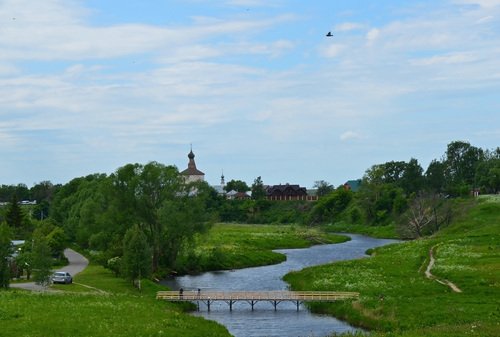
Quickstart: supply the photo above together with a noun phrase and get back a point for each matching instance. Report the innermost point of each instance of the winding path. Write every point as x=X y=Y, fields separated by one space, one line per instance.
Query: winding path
x=77 y=263
x=430 y=276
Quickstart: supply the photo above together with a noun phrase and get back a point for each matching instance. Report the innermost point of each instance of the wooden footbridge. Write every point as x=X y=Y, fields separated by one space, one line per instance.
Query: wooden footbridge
x=253 y=297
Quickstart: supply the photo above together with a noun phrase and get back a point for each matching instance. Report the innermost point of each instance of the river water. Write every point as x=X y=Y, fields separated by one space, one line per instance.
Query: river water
x=264 y=321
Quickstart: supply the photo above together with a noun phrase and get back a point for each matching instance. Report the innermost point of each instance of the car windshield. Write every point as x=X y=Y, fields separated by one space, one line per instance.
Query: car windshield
x=59 y=274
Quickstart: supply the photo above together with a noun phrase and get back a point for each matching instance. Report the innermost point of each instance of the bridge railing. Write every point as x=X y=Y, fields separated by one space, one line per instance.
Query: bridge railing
x=257 y=295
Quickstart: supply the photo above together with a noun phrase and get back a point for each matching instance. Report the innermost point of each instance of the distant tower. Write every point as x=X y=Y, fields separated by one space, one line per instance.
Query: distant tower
x=192 y=174
x=222 y=182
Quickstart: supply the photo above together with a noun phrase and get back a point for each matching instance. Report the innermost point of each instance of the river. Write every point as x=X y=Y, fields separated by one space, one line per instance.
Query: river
x=286 y=321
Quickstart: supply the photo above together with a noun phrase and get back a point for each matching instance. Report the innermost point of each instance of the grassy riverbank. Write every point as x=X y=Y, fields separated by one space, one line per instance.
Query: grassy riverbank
x=234 y=246
x=99 y=304
x=380 y=232
x=397 y=299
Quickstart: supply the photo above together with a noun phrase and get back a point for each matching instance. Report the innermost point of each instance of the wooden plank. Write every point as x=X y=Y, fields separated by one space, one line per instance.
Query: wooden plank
x=303 y=296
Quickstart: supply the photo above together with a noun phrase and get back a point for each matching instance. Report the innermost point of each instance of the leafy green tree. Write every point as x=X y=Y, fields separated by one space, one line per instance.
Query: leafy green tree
x=435 y=176
x=5 y=253
x=461 y=160
x=136 y=261
x=330 y=207
x=236 y=185
x=258 y=191
x=412 y=180
x=57 y=241
x=323 y=188
x=41 y=257
x=488 y=173
x=24 y=261
x=181 y=218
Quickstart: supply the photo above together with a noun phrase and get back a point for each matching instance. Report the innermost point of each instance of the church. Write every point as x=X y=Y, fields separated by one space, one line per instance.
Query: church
x=192 y=174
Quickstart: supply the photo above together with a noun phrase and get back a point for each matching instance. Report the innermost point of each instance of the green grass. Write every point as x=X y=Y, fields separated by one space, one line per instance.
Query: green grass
x=396 y=297
x=381 y=232
x=234 y=246
x=123 y=311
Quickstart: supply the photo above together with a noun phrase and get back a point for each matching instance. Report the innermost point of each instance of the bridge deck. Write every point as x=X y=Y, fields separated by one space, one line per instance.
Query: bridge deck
x=252 y=297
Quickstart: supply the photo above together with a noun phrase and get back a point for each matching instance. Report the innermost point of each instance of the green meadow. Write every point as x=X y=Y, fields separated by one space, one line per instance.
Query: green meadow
x=100 y=304
x=234 y=246
x=397 y=299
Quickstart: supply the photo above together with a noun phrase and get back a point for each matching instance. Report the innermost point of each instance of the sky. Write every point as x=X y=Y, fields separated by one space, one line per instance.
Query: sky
x=256 y=86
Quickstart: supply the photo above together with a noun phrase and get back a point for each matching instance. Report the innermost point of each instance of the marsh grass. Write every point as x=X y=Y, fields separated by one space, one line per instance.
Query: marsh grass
x=396 y=297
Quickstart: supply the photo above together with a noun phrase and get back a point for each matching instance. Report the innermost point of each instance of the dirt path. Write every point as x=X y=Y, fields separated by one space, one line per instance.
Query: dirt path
x=430 y=276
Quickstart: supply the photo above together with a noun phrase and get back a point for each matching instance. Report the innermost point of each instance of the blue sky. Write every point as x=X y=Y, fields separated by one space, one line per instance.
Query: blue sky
x=254 y=85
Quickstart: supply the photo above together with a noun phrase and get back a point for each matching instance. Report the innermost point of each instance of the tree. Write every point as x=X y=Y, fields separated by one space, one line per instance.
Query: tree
x=181 y=218
x=5 y=253
x=136 y=261
x=41 y=257
x=328 y=208
x=323 y=188
x=258 y=191
x=14 y=216
x=236 y=185
x=435 y=176
x=461 y=162
x=425 y=215
x=412 y=180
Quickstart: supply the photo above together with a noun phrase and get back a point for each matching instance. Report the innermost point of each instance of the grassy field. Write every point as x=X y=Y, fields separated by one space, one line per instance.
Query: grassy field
x=112 y=307
x=99 y=304
x=397 y=299
x=234 y=246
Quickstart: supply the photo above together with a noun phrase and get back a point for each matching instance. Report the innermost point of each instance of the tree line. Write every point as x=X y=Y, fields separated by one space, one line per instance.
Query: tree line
x=148 y=213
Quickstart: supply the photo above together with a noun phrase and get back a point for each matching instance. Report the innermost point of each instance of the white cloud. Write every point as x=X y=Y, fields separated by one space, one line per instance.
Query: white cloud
x=350 y=135
x=348 y=26
x=485 y=19
x=454 y=58
x=332 y=50
x=372 y=35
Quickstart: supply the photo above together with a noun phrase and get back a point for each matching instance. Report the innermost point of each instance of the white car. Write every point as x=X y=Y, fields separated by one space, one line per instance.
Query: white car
x=61 y=277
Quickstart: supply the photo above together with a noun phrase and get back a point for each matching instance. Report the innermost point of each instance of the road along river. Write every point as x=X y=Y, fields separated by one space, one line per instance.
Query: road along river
x=264 y=321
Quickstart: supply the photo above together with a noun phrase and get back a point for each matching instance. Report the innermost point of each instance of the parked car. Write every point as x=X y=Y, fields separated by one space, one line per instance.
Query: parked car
x=61 y=277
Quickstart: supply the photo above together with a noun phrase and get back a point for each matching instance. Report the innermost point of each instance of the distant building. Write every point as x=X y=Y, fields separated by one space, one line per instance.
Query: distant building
x=220 y=188
x=192 y=174
x=288 y=192
x=235 y=195
x=353 y=185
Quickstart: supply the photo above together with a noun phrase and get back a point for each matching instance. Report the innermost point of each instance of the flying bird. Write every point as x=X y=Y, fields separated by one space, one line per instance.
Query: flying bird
x=329 y=34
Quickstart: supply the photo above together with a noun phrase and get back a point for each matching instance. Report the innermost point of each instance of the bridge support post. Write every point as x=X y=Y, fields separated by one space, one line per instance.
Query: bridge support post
x=298 y=305
x=231 y=305
x=275 y=303
x=208 y=305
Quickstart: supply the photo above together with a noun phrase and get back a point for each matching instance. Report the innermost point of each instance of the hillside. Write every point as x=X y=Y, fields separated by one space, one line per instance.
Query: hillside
x=397 y=299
